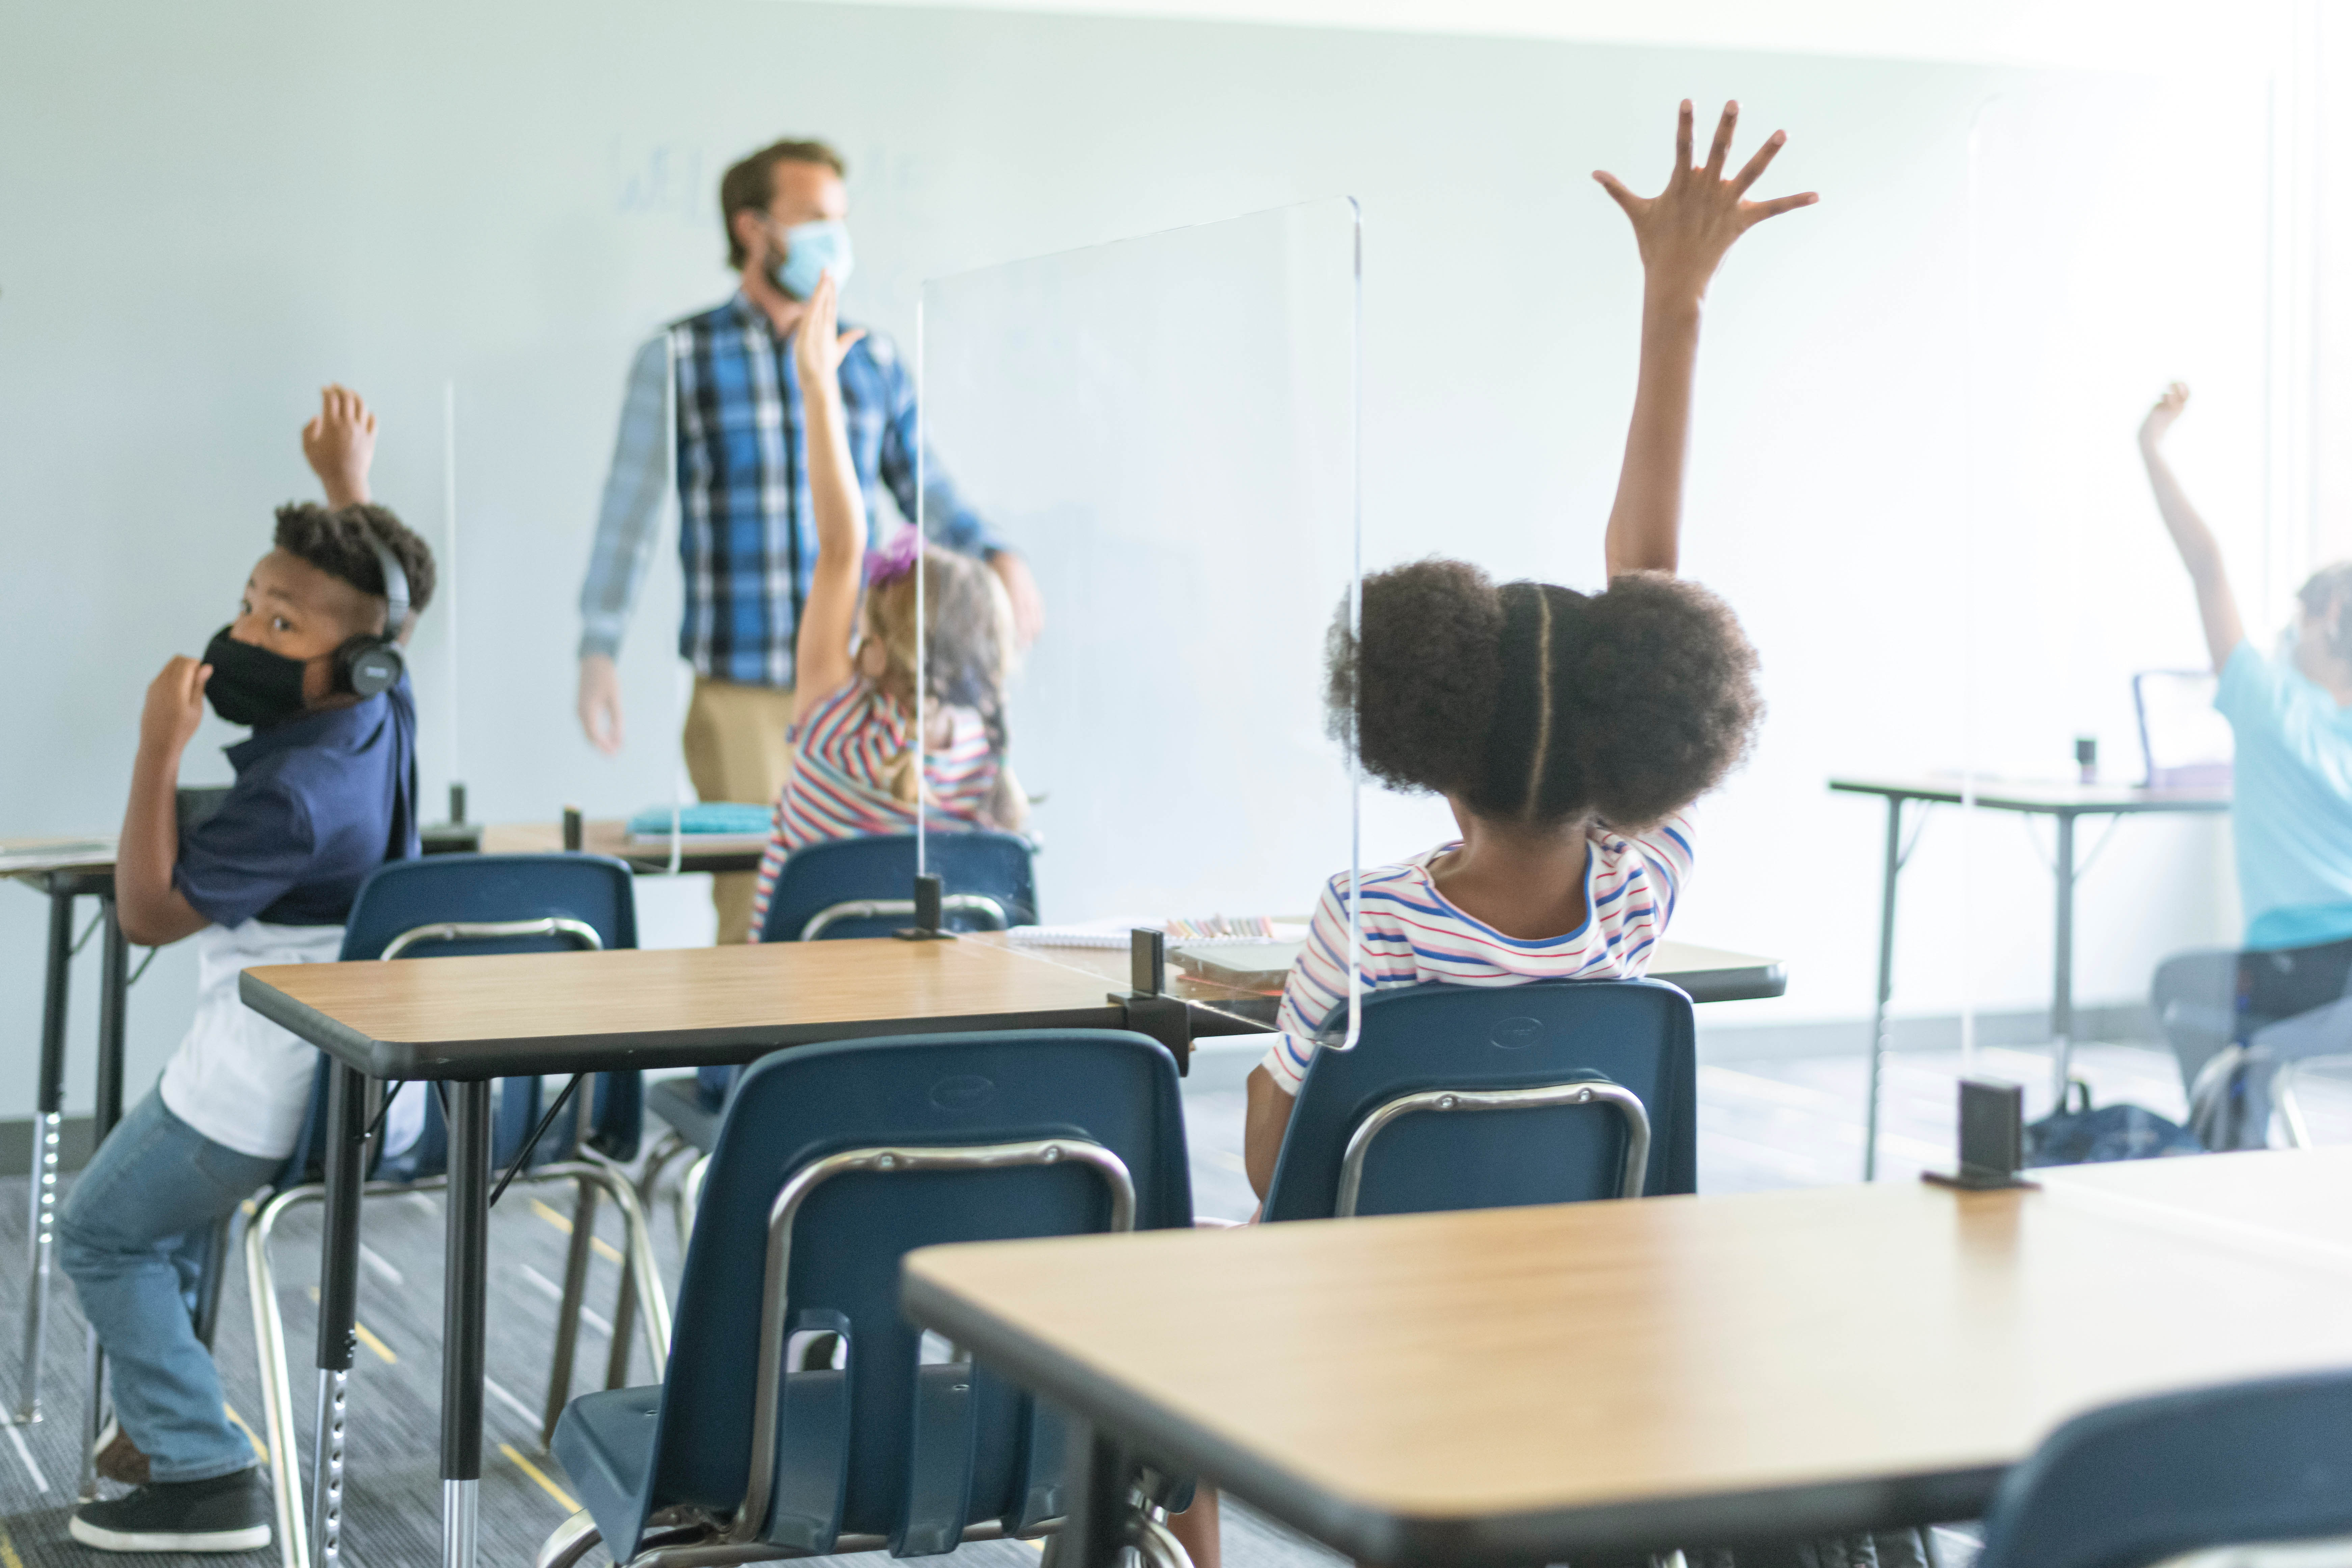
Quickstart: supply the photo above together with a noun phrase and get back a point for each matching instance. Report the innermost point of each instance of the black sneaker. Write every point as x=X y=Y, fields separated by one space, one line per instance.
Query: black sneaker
x=226 y=1513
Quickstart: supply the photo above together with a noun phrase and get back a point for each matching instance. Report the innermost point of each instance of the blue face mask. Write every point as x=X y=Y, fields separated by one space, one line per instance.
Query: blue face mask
x=812 y=250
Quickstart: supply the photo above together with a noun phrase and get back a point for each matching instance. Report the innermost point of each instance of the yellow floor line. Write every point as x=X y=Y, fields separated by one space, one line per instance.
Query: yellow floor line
x=602 y=1248
x=367 y=1337
x=535 y=1473
x=251 y=1437
x=8 y=1558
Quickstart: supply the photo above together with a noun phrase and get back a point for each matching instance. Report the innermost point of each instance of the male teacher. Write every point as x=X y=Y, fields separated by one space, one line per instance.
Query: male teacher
x=746 y=536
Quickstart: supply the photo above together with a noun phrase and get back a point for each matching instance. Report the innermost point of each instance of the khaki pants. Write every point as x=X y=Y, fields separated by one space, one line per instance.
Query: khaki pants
x=736 y=750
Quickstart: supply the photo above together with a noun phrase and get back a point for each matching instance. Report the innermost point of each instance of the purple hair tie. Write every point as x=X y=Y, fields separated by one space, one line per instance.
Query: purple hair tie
x=894 y=557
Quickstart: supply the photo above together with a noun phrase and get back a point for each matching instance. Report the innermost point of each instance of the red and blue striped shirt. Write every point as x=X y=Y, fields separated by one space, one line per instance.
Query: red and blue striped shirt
x=847 y=750
x=1411 y=934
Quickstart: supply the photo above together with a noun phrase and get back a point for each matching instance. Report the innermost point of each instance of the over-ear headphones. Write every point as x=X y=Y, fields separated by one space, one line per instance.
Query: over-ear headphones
x=372 y=661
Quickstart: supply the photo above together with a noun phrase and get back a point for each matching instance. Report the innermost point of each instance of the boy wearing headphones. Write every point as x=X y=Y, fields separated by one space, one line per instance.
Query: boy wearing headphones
x=325 y=792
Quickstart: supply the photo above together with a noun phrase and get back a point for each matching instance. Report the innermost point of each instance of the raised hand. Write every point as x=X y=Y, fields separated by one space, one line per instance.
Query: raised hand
x=1685 y=229
x=819 y=344
x=339 y=444
x=2160 y=418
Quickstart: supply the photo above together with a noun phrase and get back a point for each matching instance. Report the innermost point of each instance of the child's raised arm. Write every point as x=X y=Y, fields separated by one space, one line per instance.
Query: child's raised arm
x=340 y=444
x=821 y=647
x=1683 y=232
x=2217 y=602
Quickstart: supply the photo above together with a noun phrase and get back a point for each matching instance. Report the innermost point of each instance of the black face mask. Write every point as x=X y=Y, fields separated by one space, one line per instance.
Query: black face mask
x=251 y=685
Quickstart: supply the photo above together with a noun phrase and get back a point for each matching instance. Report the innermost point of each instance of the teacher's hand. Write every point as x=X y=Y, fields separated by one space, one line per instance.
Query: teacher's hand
x=600 y=702
x=1028 y=605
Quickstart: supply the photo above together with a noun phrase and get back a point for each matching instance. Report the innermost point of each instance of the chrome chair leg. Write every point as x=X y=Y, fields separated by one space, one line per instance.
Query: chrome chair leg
x=644 y=1276
x=93 y=1418
x=689 y=1198
x=568 y=1542
x=1157 y=1544
x=276 y=1392
x=567 y=1318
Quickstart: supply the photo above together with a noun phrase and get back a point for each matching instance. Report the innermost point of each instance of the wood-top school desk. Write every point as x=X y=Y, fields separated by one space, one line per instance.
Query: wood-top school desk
x=2063 y=803
x=469 y=1020
x=64 y=869
x=1518 y=1386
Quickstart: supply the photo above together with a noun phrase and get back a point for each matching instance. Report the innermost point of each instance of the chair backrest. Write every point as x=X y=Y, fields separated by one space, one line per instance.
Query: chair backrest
x=878 y=1448
x=404 y=898
x=994 y=867
x=403 y=895
x=2141 y=1481
x=1637 y=1034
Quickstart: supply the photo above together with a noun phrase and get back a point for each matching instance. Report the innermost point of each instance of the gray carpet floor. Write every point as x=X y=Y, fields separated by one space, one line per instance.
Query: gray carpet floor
x=1763 y=1124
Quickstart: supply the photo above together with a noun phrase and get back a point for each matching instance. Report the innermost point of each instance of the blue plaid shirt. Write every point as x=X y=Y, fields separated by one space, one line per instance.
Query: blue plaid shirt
x=746 y=538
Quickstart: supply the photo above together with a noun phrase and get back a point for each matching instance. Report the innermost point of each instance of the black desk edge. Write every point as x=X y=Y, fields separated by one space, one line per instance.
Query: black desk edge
x=1368 y=1533
x=1754 y=982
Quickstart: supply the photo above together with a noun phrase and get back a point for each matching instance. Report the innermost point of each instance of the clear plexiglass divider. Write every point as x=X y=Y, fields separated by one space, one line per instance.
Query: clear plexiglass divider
x=2040 y=911
x=1164 y=431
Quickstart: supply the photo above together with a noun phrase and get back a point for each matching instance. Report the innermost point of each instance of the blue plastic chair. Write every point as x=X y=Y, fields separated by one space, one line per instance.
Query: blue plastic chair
x=1460 y=1097
x=454 y=905
x=861 y=1150
x=864 y=887
x=2138 y=1482
x=842 y=889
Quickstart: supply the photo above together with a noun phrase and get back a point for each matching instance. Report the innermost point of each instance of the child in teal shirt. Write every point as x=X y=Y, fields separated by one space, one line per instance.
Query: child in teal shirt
x=2291 y=711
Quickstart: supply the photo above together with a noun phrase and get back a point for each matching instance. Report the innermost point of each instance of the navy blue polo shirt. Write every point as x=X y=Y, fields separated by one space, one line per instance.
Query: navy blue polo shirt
x=319 y=802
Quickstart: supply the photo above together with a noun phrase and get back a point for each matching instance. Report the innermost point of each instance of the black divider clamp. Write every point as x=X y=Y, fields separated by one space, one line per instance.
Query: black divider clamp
x=1149 y=1009
x=1992 y=1139
x=927 y=897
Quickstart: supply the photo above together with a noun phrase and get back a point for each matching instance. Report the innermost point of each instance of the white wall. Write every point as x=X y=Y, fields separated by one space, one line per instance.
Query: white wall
x=209 y=213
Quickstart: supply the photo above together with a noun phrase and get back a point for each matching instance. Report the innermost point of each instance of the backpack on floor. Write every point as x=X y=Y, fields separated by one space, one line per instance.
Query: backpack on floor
x=2082 y=1136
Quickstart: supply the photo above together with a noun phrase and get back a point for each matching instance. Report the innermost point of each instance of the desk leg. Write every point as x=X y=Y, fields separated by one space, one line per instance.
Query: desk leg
x=338 y=1269
x=2061 y=993
x=48 y=1111
x=1100 y=1528
x=113 y=995
x=113 y=988
x=465 y=1278
x=1893 y=868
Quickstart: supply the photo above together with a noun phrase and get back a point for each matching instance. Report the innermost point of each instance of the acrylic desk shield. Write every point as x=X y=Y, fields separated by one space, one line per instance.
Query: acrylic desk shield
x=2027 y=943
x=1164 y=428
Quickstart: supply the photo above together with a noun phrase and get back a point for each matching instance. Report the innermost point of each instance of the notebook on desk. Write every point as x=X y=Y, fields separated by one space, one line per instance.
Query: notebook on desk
x=2184 y=744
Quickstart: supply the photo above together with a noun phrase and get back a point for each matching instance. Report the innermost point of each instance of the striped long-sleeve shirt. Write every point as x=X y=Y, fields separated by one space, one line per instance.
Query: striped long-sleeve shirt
x=1412 y=935
x=747 y=533
x=848 y=751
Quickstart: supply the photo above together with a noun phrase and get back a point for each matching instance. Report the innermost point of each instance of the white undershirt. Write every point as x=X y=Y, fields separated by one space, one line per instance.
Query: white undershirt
x=238 y=1078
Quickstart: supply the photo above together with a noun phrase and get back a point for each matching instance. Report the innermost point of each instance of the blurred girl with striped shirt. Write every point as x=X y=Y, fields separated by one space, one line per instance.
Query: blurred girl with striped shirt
x=857 y=766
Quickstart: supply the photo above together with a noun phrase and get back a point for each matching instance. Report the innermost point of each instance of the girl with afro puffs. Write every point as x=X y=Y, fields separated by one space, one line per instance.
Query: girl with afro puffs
x=1569 y=731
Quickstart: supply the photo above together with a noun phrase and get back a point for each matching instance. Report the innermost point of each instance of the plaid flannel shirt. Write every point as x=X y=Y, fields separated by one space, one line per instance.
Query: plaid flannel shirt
x=747 y=537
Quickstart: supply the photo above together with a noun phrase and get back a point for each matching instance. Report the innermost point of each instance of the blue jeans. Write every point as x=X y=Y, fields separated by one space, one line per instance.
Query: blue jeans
x=128 y=1239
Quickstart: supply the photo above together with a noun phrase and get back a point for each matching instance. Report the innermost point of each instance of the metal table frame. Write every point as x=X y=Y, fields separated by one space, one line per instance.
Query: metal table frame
x=2065 y=804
